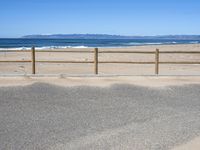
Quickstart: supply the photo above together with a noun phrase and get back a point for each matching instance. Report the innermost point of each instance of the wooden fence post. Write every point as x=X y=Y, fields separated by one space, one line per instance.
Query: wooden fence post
x=157 y=62
x=33 y=59
x=96 y=60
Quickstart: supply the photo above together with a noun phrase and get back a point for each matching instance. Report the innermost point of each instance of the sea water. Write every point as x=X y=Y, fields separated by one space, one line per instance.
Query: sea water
x=23 y=44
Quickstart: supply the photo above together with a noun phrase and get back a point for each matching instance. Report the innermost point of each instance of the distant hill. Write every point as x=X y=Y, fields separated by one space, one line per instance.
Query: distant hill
x=107 y=36
x=77 y=36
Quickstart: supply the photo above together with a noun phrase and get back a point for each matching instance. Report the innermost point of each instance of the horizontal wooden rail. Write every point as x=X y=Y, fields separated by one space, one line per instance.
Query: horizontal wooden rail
x=58 y=61
x=90 y=51
x=75 y=51
x=181 y=62
x=125 y=62
x=63 y=51
x=133 y=52
x=15 y=61
x=100 y=62
x=132 y=62
x=180 y=52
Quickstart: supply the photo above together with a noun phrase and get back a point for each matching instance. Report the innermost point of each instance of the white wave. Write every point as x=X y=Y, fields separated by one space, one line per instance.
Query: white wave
x=60 y=47
x=153 y=43
x=79 y=47
x=170 y=43
x=133 y=43
x=194 y=42
x=136 y=43
x=43 y=48
x=17 y=48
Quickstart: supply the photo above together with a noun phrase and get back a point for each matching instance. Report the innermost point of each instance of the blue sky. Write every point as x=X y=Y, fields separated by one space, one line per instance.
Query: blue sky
x=125 y=17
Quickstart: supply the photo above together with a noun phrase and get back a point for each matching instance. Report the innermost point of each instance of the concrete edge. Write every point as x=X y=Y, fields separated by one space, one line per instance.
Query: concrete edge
x=91 y=75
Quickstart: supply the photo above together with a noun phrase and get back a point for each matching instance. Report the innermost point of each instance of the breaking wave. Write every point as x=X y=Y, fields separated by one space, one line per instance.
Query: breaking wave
x=44 y=47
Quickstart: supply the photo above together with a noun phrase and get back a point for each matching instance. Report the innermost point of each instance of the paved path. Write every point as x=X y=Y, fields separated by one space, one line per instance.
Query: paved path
x=48 y=117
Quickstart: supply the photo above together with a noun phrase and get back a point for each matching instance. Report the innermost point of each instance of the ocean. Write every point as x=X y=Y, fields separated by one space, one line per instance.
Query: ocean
x=23 y=44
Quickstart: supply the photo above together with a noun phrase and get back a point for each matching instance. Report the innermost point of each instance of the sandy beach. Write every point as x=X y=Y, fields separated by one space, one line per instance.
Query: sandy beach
x=129 y=69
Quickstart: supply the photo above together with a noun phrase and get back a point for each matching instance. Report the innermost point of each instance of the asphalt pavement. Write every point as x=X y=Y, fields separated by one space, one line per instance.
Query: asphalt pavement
x=47 y=117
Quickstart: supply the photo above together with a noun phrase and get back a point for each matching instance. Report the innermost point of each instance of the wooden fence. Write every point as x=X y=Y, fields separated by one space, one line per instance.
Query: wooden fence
x=96 y=61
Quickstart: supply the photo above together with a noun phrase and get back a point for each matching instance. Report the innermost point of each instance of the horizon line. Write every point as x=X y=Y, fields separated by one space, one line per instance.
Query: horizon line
x=23 y=36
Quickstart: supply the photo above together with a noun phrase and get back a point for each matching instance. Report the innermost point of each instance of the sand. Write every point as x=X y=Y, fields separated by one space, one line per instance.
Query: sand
x=191 y=145
x=101 y=81
x=125 y=69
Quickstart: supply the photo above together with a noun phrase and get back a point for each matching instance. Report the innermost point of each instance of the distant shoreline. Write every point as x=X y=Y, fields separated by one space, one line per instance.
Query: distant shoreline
x=87 y=43
x=109 y=36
